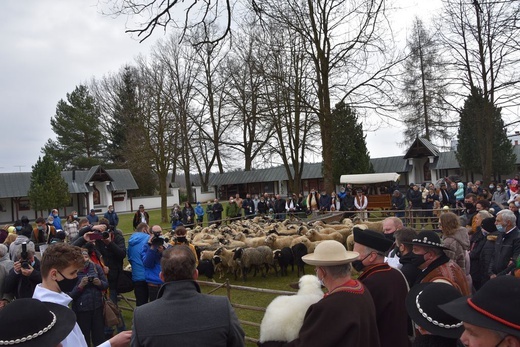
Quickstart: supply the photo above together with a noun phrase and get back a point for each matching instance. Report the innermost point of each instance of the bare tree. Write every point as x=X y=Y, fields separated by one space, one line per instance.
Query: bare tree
x=153 y=14
x=482 y=41
x=243 y=94
x=352 y=58
x=288 y=93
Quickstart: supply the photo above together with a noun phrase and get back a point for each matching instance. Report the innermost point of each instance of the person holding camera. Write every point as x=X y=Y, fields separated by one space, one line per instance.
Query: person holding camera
x=25 y=274
x=151 y=254
x=110 y=243
x=87 y=300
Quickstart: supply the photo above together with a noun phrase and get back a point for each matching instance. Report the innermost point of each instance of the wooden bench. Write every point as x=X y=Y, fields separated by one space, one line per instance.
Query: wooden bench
x=379 y=202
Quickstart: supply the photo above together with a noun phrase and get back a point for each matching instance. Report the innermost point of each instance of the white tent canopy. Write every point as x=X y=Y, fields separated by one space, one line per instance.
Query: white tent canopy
x=369 y=178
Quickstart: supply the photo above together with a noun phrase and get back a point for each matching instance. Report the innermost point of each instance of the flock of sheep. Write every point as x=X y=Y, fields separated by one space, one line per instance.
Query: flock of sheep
x=259 y=245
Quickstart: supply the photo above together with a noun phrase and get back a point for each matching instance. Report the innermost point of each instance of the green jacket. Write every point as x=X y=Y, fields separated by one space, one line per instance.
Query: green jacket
x=232 y=210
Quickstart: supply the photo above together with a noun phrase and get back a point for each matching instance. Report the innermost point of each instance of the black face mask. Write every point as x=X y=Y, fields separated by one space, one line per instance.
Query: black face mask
x=389 y=236
x=66 y=284
x=181 y=239
x=417 y=259
x=469 y=206
x=358 y=264
x=398 y=253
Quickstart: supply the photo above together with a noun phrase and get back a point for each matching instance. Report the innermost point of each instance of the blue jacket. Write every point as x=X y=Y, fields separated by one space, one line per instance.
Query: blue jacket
x=113 y=218
x=136 y=244
x=199 y=211
x=152 y=264
x=57 y=222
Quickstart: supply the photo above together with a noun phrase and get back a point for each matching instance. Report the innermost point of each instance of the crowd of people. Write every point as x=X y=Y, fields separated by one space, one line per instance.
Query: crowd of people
x=454 y=283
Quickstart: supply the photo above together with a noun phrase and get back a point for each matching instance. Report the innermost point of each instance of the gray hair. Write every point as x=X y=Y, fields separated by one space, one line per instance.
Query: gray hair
x=484 y=214
x=507 y=216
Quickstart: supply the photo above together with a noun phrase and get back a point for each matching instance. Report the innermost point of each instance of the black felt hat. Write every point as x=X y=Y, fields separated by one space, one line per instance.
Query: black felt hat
x=494 y=306
x=31 y=322
x=427 y=238
x=422 y=304
x=372 y=239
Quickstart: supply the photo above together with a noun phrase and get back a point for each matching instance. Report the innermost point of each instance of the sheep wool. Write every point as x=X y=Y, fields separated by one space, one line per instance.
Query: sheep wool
x=284 y=316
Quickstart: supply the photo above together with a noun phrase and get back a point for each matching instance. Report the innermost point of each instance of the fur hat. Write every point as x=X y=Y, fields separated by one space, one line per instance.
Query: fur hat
x=494 y=306
x=422 y=304
x=330 y=253
x=372 y=239
x=30 y=322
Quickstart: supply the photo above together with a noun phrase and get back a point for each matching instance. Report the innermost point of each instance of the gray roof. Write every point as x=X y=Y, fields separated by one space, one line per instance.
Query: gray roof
x=16 y=185
x=390 y=164
x=421 y=147
x=310 y=170
x=446 y=160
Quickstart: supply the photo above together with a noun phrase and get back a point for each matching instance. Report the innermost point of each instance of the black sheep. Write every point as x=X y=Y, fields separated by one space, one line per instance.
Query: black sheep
x=206 y=268
x=285 y=258
x=298 y=251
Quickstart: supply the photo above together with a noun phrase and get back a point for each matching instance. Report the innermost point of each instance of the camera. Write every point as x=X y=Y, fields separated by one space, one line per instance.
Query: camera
x=158 y=241
x=24 y=257
x=91 y=279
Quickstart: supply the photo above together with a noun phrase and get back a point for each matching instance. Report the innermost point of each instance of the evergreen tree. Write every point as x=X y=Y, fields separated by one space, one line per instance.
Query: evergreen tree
x=483 y=146
x=48 y=188
x=423 y=89
x=350 y=154
x=79 y=140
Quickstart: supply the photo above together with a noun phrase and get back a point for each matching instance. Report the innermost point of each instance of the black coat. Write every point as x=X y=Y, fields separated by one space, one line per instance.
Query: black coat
x=23 y=286
x=507 y=249
x=409 y=270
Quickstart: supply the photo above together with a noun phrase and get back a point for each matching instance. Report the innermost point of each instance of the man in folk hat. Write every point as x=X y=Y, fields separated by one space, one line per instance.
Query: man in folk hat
x=346 y=314
x=436 y=327
x=491 y=316
x=387 y=286
x=428 y=255
x=30 y=322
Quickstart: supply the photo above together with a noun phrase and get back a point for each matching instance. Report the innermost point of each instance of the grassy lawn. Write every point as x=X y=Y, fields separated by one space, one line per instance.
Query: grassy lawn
x=237 y=296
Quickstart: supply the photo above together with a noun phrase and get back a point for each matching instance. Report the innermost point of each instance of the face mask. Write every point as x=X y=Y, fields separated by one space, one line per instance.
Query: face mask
x=417 y=259
x=19 y=227
x=358 y=264
x=66 y=284
x=40 y=227
x=468 y=205
x=181 y=239
x=55 y=215
x=398 y=253
x=500 y=228
x=517 y=203
x=499 y=189
x=389 y=236
x=75 y=216
x=491 y=186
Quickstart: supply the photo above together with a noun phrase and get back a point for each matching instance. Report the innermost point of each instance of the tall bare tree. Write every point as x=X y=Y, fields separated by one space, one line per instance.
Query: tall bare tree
x=352 y=59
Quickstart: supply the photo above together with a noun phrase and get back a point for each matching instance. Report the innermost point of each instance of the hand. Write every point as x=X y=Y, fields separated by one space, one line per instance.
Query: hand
x=97 y=282
x=83 y=282
x=2 y=304
x=86 y=236
x=492 y=276
x=122 y=339
x=27 y=272
x=17 y=267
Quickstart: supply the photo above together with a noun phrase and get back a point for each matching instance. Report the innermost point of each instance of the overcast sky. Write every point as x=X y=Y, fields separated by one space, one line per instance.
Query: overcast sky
x=48 y=47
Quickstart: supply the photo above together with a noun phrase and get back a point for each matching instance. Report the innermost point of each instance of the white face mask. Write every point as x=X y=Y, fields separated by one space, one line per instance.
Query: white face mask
x=499 y=189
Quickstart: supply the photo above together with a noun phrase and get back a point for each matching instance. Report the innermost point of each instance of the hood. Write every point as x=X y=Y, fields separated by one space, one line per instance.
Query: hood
x=137 y=238
x=460 y=185
x=21 y=239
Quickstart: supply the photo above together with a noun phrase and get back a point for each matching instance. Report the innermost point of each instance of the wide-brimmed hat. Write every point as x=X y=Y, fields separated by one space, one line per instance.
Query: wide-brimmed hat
x=427 y=238
x=330 y=253
x=422 y=304
x=372 y=239
x=30 y=322
x=494 y=306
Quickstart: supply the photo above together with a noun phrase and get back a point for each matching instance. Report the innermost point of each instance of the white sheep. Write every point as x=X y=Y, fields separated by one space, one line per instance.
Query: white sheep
x=283 y=317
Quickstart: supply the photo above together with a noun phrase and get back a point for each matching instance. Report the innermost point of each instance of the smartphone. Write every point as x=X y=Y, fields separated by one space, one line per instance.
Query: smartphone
x=96 y=236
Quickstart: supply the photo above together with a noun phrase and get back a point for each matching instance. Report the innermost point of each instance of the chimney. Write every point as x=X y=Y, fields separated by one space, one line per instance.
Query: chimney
x=73 y=175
